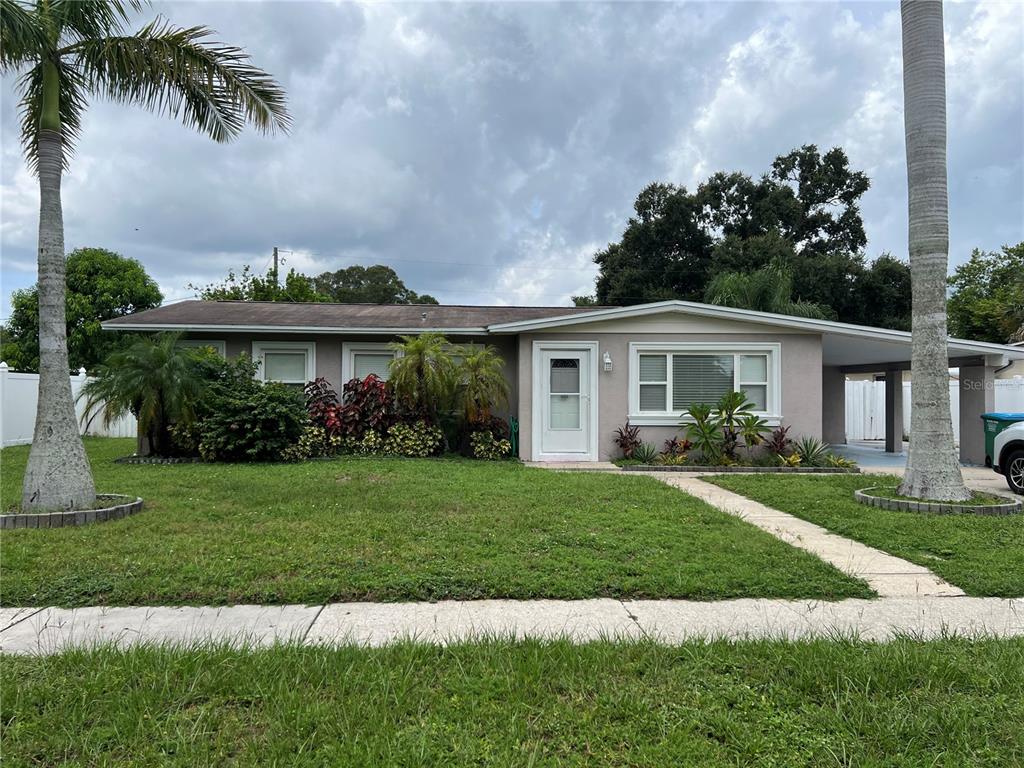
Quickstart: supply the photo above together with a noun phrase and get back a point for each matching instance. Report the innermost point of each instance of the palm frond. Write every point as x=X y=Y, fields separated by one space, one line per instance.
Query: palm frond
x=72 y=105
x=90 y=19
x=22 y=37
x=176 y=71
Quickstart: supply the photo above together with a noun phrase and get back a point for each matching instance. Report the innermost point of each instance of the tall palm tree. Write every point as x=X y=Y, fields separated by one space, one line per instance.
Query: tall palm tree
x=933 y=471
x=67 y=52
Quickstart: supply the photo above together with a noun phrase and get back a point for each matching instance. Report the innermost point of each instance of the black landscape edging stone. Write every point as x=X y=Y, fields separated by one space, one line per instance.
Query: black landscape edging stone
x=723 y=469
x=1011 y=507
x=159 y=460
x=74 y=517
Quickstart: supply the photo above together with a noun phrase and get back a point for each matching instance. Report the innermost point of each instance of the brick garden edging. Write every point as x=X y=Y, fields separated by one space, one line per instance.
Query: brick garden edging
x=715 y=470
x=159 y=460
x=1011 y=507
x=75 y=517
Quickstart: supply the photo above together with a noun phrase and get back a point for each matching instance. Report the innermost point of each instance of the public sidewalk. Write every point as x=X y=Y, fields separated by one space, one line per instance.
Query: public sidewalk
x=49 y=630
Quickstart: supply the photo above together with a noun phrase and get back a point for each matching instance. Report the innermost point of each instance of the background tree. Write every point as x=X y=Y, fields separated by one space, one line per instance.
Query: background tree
x=101 y=284
x=882 y=294
x=377 y=284
x=987 y=303
x=245 y=286
x=68 y=51
x=769 y=289
x=933 y=471
x=803 y=213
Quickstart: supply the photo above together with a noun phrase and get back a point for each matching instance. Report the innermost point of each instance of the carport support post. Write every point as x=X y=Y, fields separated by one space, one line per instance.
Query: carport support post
x=977 y=396
x=894 y=411
x=833 y=405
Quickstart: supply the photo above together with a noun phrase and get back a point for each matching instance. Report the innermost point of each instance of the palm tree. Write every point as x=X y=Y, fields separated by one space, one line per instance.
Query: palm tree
x=423 y=374
x=933 y=471
x=154 y=379
x=482 y=382
x=769 y=289
x=68 y=51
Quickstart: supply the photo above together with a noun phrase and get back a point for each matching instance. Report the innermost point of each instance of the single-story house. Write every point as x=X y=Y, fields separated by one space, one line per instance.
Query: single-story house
x=578 y=373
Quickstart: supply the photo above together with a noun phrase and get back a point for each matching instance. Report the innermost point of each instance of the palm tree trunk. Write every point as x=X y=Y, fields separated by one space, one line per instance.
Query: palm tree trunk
x=58 y=474
x=933 y=470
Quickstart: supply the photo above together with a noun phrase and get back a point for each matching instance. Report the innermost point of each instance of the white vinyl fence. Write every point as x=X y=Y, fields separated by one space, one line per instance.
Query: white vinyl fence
x=19 y=393
x=865 y=406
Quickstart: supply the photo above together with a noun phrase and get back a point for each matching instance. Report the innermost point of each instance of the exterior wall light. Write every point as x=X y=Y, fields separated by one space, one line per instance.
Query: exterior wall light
x=607 y=360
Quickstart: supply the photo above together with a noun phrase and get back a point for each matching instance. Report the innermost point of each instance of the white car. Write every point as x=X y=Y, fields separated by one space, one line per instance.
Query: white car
x=1008 y=456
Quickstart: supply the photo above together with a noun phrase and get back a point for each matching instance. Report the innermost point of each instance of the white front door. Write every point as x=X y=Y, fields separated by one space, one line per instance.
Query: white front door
x=566 y=402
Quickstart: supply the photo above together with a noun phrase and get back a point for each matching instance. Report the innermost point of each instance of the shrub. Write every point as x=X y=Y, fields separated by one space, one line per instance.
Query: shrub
x=314 y=442
x=418 y=439
x=486 y=446
x=812 y=452
x=627 y=437
x=252 y=426
x=645 y=453
x=779 y=442
x=323 y=406
x=705 y=432
x=676 y=447
x=370 y=443
x=368 y=407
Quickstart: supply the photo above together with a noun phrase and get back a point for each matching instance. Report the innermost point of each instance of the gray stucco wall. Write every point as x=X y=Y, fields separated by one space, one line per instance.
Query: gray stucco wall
x=800 y=368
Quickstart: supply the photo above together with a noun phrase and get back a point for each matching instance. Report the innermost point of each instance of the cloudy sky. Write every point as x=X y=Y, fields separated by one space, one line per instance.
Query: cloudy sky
x=485 y=151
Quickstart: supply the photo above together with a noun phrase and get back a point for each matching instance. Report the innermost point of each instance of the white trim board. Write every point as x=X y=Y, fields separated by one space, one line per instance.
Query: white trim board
x=537 y=417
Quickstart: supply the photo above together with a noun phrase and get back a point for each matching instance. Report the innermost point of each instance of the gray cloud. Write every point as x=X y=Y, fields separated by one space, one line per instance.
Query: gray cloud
x=486 y=150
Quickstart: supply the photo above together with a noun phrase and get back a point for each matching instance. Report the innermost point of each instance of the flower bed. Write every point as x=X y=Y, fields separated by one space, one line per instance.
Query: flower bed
x=739 y=468
x=989 y=505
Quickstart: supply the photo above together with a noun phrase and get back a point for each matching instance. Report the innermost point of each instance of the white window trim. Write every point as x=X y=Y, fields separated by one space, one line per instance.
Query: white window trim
x=349 y=350
x=219 y=345
x=260 y=348
x=537 y=415
x=773 y=413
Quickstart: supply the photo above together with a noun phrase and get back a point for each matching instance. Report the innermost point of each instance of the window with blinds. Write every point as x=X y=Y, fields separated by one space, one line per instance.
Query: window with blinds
x=671 y=382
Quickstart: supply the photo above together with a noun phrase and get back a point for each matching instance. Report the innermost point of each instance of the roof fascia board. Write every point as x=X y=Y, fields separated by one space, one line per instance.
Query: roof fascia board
x=746 y=315
x=319 y=329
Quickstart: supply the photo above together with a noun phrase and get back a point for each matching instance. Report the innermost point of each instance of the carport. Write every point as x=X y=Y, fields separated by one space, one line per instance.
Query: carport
x=851 y=349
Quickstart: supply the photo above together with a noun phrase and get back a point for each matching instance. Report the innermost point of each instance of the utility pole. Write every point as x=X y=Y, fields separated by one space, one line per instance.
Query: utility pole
x=276 y=282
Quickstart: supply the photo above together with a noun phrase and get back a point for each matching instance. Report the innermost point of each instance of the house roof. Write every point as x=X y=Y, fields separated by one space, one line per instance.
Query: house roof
x=843 y=344
x=198 y=315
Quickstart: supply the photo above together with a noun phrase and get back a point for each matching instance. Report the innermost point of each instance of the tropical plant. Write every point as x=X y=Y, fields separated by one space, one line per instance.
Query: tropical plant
x=676 y=447
x=627 y=437
x=67 y=52
x=323 y=407
x=789 y=460
x=646 y=453
x=156 y=380
x=812 y=452
x=752 y=428
x=933 y=470
x=481 y=382
x=704 y=430
x=418 y=439
x=732 y=411
x=486 y=446
x=368 y=406
x=839 y=462
x=423 y=375
x=779 y=442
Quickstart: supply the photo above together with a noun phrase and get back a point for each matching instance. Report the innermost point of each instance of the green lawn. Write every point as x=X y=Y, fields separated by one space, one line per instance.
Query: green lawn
x=981 y=554
x=394 y=529
x=946 y=703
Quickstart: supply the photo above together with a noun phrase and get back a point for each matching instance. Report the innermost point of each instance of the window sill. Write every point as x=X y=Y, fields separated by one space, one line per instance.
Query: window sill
x=674 y=420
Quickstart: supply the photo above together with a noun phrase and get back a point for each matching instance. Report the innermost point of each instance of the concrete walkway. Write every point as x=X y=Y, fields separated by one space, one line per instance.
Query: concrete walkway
x=888 y=575
x=49 y=630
